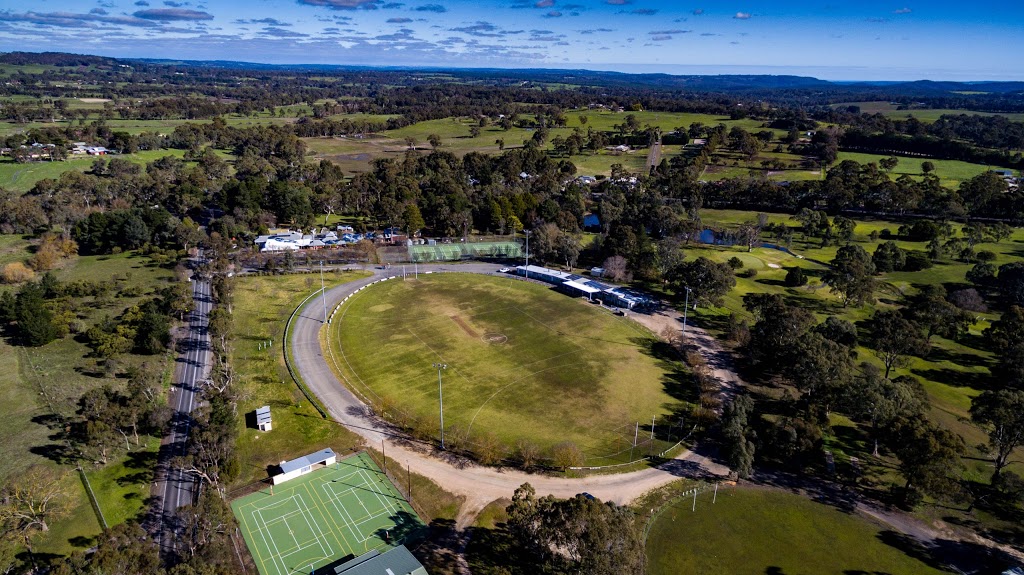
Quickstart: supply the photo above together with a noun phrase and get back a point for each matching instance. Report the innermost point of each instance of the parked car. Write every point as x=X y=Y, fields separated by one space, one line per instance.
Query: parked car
x=505 y=271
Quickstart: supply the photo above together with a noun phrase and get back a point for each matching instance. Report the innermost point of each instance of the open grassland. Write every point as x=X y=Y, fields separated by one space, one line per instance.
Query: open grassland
x=950 y=172
x=20 y=177
x=139 y=126
x=756 y=532
x=37 y=383
x=892 y=110
x=524 y=362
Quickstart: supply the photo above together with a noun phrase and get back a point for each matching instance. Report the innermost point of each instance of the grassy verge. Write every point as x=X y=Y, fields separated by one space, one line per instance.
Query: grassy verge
x=759 y=531
x=261 y=307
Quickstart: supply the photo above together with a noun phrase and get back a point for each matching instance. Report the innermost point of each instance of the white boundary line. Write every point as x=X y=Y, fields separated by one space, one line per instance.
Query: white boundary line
x=302 y=509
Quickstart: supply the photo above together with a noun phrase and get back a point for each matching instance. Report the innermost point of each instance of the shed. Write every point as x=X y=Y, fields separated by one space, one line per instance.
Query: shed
x=395 y=561
x=303 y=465
x=263 y=418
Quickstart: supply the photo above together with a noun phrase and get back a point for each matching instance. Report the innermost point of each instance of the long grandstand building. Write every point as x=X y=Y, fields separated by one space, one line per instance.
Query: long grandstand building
x=580 y=286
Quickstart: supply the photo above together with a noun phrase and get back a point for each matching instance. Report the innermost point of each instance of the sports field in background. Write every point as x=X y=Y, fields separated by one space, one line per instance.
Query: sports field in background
x=337 y=512
x=525 y=363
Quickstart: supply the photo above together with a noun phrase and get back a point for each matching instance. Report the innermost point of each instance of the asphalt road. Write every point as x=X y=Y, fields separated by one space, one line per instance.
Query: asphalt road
x=174 y=488
x=480 y=485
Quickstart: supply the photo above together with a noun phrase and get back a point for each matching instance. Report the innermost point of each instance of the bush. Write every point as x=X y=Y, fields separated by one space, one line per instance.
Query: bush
x=16 y=272
x=795 y=277
x=747 y=273
x=985 y=256
x=735 y=263
x=917 y=261
x=566 y=454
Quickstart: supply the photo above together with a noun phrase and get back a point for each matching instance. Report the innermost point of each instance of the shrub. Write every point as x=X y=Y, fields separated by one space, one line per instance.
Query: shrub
x=795 y=277
x=566 y=454
x=16 y=272
x=917 y=261
x=747 y=273
x=986 y=256
x=735 y=263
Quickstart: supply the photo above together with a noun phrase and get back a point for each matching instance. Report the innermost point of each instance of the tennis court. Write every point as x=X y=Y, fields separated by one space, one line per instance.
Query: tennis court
x=457 y=251
x=337 y=512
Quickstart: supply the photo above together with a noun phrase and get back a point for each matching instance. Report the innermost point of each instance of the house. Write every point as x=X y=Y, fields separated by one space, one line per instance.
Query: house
x=586 y=180
x=303 y=465
x=394 y=561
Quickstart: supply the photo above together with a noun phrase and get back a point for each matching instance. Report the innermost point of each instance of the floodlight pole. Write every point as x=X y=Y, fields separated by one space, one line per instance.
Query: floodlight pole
x=686 y=307
x=323 y=291
x=440 y=397
x=527 y=269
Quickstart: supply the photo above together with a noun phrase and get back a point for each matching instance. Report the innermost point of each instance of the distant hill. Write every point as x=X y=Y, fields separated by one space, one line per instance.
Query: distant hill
x=692 y=83
x=54 y=59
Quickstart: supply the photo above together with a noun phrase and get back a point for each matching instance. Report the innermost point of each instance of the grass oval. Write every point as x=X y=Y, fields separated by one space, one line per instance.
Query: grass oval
x=566 y=371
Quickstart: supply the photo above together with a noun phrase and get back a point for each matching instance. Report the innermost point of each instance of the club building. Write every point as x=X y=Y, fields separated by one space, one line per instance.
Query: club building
x=303 y=465
x=580 y=286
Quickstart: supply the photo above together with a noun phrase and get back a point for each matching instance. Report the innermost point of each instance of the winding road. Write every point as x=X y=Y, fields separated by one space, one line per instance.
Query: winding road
x=478 y=484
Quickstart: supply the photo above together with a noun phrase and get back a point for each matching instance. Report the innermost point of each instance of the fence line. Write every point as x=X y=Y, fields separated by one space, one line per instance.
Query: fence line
x=692 y=492
x=92 y=498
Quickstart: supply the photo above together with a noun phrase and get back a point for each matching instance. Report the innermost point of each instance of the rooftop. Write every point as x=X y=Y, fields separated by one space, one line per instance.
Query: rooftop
x=306 y=460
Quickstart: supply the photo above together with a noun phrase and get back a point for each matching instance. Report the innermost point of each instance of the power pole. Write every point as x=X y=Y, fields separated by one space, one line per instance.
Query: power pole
x=440 y=397
x=686 y=307
x=323 y=291
x=527 y=232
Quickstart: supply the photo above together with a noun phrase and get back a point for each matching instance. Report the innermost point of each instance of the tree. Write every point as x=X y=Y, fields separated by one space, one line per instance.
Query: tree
x=413 y=219
x=578 y=535
x=29 y=504
x=931 y=310
x=851 y=275
x=708 y=280
x=889 y=164
x=927 y=167
x=616 y=268
x=500 y=142
x=738 y=433
x=568 y=248
x=1001 y=413
x=889 y=257
x=1011 y=283
x=983 y=274
x=1006 y=338
x=882 y=402
x=795 y=277
x=929 y=455
x=893 y=338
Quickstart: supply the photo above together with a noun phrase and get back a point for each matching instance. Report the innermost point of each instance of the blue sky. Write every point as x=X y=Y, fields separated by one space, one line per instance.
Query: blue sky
x=831 y=39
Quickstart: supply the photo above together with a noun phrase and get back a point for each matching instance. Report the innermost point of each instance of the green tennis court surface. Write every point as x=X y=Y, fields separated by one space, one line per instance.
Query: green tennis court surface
x=329 y=515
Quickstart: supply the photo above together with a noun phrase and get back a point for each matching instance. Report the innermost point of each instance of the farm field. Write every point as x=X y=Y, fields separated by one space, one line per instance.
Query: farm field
x=525 y=363
x=757 y=532
x=21 y=177
x=950 y=172
x=890 y=110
